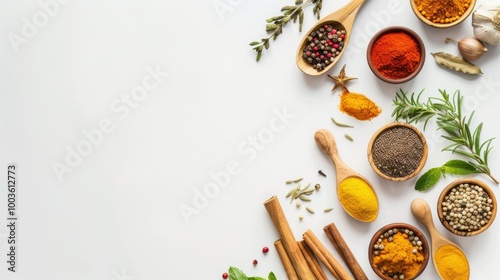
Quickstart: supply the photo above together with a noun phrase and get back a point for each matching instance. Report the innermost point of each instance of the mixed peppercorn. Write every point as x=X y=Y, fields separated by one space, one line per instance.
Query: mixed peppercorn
x=323 y=46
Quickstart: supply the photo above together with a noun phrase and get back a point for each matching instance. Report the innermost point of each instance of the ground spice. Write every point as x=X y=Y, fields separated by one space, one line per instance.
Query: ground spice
x=451 y=263
x=396 y=256
x=358 y=199
x=439 y=11
x=395 y=55
x=358 y=106
x=397 y=151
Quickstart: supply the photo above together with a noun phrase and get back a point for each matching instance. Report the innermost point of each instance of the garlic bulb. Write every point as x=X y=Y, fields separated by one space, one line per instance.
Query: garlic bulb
x=470 y=48
x=486 y=23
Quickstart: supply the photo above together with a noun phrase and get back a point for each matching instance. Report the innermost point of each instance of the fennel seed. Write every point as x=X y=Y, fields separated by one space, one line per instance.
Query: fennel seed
x=309 y=210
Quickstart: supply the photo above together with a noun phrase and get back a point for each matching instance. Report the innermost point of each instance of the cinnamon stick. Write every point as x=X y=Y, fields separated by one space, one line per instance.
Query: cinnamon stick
x=339 y=243
x=285 y=260
x=312 y=261
x=325 y=256
x=275 y=211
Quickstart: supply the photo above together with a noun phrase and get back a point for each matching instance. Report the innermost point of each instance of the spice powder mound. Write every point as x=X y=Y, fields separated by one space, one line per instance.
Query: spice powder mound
x=395 y=55
x=358 y=106
x=397 y=151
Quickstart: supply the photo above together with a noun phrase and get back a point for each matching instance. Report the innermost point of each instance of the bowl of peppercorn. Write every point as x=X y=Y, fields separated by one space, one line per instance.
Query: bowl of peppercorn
x=396 y=54
x=398 y=251
x=397 y=151
x=467 y=207
x=445 y=14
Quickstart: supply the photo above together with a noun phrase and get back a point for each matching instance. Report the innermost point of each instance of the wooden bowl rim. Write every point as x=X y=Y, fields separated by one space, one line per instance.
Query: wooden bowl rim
x=447 y=189
x=418 y=232
x=389 y=126
x=390 y=29
x=442 y=25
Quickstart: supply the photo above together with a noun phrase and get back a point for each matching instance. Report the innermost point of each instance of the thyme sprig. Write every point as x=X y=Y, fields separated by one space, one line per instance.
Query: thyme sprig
x=447 y=109
x=275 y=24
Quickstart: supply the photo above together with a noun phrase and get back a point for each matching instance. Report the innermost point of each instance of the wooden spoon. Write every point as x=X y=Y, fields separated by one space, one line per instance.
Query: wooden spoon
x=326 y=142
x=342 y=19
x=422 y=213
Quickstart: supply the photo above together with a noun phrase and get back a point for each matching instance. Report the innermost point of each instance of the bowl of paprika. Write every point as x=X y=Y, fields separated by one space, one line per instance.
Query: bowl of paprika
x=396 y=54
x=442 y=14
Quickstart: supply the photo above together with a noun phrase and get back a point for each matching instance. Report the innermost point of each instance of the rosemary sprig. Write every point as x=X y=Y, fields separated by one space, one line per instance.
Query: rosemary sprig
x=449 y=117
x=275 y=24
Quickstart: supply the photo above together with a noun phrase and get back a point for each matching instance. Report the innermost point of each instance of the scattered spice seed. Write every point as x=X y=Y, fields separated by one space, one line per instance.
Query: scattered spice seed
x=341 y=124
x=304 y=198
x=294 y=181
x=255 y=262
x=298 y=204
x=265 y=250
x=328 y=209
x=225 y=275
x=348 y=137
x=309 y=210
x=321 y=173
x=301 y=217
x=317 y=186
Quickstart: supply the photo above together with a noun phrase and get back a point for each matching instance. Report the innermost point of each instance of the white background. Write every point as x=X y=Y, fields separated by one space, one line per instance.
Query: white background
x=117 y=215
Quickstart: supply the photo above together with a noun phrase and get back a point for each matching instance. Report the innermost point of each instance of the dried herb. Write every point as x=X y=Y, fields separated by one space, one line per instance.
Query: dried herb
x=456 y=63
x=341 y=80
x=465 y=141
x=275 y=24
x=237 y=274
x=341 y=124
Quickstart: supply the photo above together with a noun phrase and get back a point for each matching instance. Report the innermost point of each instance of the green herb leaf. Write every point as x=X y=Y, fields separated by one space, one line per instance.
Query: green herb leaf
x=459 y=167
x=271 y=276
x=256 y=278
x=236 y=274
x=428 y=179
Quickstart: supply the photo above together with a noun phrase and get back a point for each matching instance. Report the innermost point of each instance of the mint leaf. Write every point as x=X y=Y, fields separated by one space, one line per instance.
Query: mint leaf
x=459 y=167
x=428 y=179
x=271 y=276
x=256 y=278
x=236 y=274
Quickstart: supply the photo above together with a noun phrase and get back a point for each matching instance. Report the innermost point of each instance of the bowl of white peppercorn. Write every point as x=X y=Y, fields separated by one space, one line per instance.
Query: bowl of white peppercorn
x=467 y=207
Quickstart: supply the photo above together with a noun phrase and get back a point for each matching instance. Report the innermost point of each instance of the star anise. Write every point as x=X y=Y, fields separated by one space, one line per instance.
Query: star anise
x=341 y=80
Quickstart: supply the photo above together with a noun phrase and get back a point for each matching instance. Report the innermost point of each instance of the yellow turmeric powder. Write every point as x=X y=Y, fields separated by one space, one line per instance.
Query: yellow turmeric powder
x=399 y=256
x=358 y=199
x=358 y=106
x=442 y=11
x=451 y=263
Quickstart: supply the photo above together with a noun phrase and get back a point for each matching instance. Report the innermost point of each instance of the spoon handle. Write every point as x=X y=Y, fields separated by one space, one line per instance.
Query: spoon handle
x=422 y=212
x=326 y=142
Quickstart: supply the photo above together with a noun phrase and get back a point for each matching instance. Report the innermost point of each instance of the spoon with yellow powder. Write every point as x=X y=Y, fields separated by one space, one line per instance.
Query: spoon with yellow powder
x=355 y=193
x=449 y=260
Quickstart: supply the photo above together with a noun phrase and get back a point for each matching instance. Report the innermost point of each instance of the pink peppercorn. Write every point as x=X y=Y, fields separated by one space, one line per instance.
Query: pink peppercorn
x=255 y=262
x=225 y=275
x=342 y=36
x=336 y=46
x=265 y=250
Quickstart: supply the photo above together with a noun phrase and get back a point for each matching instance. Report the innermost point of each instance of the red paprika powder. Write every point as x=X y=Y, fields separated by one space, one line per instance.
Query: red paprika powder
x=395 y=54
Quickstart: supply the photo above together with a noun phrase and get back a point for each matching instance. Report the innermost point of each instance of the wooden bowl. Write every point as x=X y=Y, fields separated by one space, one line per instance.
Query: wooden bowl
x=403 y=153
x=392 y=29
x=442 y=25
x=447 y=190
x=400 y=226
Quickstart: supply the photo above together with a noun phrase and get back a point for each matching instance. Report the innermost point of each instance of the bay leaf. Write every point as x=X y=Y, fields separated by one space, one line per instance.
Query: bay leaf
x=456 y=63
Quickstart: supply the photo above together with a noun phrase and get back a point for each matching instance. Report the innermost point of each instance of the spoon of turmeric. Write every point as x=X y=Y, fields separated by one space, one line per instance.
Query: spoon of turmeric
x=356 y=195
x=449 y=260
x=342 y=19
